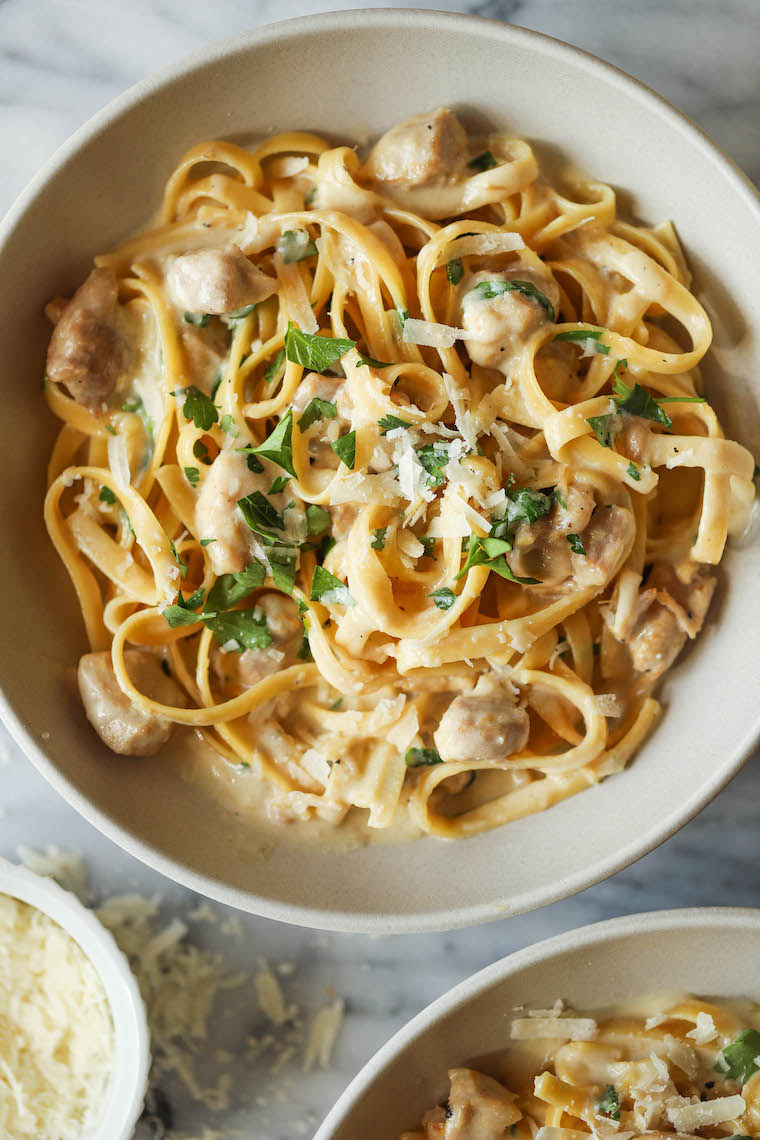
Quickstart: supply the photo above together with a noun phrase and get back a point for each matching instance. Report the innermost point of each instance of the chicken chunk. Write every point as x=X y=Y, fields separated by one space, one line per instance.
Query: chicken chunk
x=479 y=1107
x=242 y=670
x=217 y=281
x=482 y=727
x=86 y=353
x=666 y=621
x=606 y=541
x=204 y=351
x=124 y=728
x=542 y=549
x=217 y=515
x=501 y=325
x=429 y=148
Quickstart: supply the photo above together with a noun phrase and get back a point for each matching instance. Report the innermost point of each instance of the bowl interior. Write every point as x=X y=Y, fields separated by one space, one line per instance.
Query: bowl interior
x=106 y=183
x=704 y=952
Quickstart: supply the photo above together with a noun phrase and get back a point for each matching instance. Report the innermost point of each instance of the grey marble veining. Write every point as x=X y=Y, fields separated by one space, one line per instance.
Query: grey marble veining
x=60 y=61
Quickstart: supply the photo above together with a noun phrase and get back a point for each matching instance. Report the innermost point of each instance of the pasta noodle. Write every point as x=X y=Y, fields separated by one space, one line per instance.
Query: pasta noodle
x=652 y=1068
x=393 y=481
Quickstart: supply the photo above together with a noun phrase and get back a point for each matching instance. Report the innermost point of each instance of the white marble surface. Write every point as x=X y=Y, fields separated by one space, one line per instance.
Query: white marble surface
x=61 y=60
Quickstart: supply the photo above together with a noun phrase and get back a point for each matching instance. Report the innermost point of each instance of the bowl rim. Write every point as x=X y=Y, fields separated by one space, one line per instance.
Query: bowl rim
x=594 y=934
x=128 y=1083
x=248 y=900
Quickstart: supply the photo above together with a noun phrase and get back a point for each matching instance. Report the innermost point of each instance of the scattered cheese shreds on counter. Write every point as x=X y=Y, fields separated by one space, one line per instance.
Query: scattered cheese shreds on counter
x=183 y=986
x=56 y=1033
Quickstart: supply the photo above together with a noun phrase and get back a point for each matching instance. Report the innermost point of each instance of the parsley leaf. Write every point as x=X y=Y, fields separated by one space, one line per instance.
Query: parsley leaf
x=229 y=589
x=199 y=319
x=609 y=1105
x=133 y=405
x=279 y=484
x=579 y=334
x=633 y=471
x=282 y=560
x=390 y=423
x=422 y=757
x=443 y=597
x=637 y=402
x=434 y=458
x=182 y=612
x=576 y=545
x=192 y=474
x=178 y=559
x=261 y=516
x=378 y=542
x=228 y=425
x=374 y=363
x=481 y=162
x=526 y=506
x=487 y=290
x=739 y=1060
x=248 y=628
x=454 y=270
x=605 y=428
x=296 y=245
x=317 y=519
x=490 y=552
x=345 y=449
x=107 y=496
x=110 y=429
x=274 y=366
x=323 y=582
x=556 y=494
x=429 y=543
x=312 y=351
x=200 y=451
x=317 y=409
x=279 y=446
x=198 y=407
x=207 y=541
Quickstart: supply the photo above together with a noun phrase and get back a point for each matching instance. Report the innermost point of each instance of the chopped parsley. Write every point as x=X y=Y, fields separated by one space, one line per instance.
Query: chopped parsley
x=177 y=558
x=110 y=429
x=198 y=319
x=443 y=597
x=200 y=451
x=576 y=545
x=581 y=335
x=229 y=589
x=378 y=542
x=490 y=552
x=556 y=494
x=282 y=561
x=526 y=506
x=633 y=471
x=317 y=519
x=296 y=245
x=274 y=366
x=183 y=610
x=454 y=270
x=238 y=314
x=107 y=496
x=605 y=427
x=312 y=351
x=487 y=290
x=207 y=541
x=481 y=162
x=390 y=423
x=317 y=409
x=198 y=407
x=261 y=517
x=434 y=458
x=609 y=1105
x=429 y=543
x=192 y=474
x=133 y=405
x=422 y=757
x=741 y=1059
x=323 y=583
x=279 y=447
x=374 y=363
x=637 y=402
x=228 y=425
x=345 y=449
x=279 y=484
x=247 y=629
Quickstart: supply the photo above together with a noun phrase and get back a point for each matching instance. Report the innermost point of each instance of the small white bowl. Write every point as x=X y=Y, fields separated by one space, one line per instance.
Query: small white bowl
x=131 y=1060
x=709 y=952
x=104 y=184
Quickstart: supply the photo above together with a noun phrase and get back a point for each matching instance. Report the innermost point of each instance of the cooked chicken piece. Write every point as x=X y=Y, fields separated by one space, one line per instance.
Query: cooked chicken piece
x=86 y=354
x=606 y=541
x=579 y=506
x=242 y=670
x=665 y=621
x=216 y=513
x=541 y=551
x=502 y=324
x=434 y=1123
x=217 y=281
x=125 y=728
x=324 y=431
x=428 y=148
x=482 y=727
x=479 y=1107
x=205 y=351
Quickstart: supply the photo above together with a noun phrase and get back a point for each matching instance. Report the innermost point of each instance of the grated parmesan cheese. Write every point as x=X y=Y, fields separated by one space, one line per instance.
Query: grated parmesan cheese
x=56 y=1033
x=323 y=1035
x=704 y=1030
x=688 y=1117
x=432 y=335
x=561 y=1028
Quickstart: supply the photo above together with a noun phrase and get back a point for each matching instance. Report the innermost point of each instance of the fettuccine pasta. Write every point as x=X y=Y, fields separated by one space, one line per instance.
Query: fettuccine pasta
x=687 y=1068
x=394 y=482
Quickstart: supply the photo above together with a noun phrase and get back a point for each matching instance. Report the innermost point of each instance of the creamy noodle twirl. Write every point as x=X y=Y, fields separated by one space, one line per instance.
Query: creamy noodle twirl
x=394 y=481
x=685 y=1068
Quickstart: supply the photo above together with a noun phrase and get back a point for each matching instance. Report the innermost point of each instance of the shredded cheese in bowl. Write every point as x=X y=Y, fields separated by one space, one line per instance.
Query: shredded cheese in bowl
x=56 y=1030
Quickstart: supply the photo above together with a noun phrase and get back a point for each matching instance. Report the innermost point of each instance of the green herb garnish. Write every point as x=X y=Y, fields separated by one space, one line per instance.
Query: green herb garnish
x=192 y=474
x=198 y=319
x=741 y=1059
x=317 y=519
x=317 y=409
x=487 y=290
x=609 y=1105
x=481 y=162
x=315 y=352
x=454 y=270
x=634 y=472
x=490 y=552
x=390 y=423
x=107 y=496
x=378 y=542
x=279 y=484
x=345 y=449
x=443 y=597
x=605 y=428
x=422 y=757
x=323 y=582
x=576 y=545
x=274 y=366
x=279 y=446
x=261 y=517
x=296 y=245
x=198 y=407
x=228 y=425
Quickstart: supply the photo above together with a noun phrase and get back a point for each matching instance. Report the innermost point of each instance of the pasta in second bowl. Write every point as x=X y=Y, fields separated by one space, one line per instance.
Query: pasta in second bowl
x=194 y=552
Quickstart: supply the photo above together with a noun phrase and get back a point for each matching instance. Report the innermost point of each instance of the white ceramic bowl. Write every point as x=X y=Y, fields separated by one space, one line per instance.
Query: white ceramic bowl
x=351 y=74
x=710 y=952
x=131 y=1062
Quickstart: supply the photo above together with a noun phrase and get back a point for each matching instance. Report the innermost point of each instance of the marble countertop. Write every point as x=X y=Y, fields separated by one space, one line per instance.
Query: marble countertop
x=60 y=61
